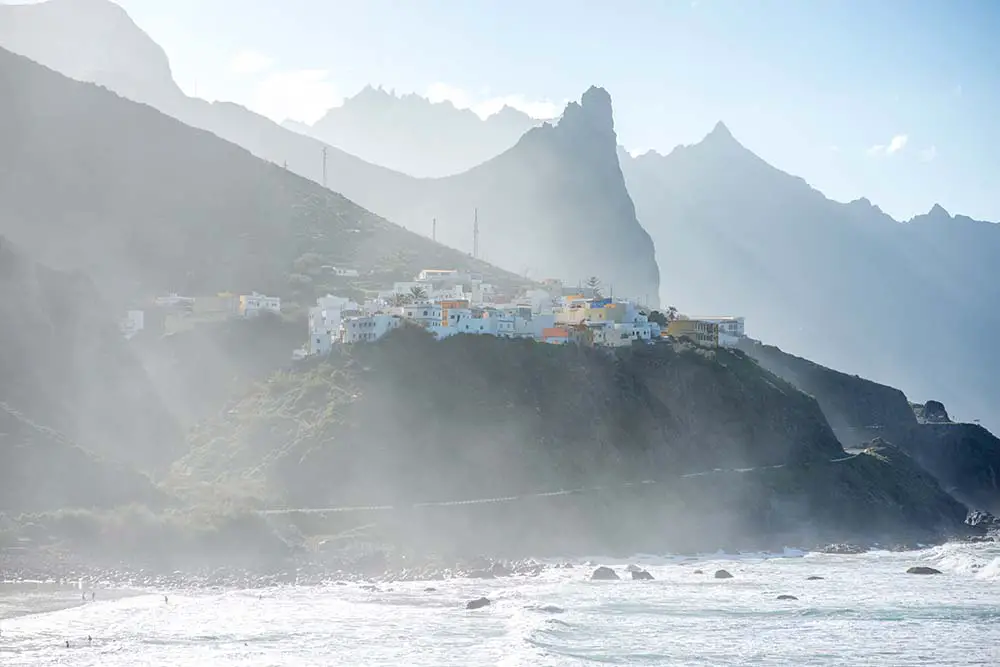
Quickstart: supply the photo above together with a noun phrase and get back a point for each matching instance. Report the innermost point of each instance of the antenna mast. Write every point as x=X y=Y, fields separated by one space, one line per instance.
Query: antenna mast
x=324 y=166
x=475 y=234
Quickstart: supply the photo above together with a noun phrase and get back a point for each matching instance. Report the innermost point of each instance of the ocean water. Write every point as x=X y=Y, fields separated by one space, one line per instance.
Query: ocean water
x=866 y=611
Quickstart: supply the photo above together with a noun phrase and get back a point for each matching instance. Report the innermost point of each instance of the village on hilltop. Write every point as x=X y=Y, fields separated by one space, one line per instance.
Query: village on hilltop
x=447 y=302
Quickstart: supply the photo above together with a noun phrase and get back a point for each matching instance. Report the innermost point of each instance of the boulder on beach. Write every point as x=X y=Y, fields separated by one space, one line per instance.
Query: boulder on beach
x=551 y=609
x=722 y=574
x=641 y=575
x=920 y=569
x=604 y=574
x=814 y=578
x=633 y=568
x=699 y=572
x=787 y=597
x=478 y=603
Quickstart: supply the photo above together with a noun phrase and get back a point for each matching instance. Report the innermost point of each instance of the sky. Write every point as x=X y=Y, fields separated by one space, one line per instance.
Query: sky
x=893 y=100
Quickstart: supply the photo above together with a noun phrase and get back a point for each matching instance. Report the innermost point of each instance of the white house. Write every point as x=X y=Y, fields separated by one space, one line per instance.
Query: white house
x=424 y=313
x=341 y=272
x=435 y=274
x=731 y=329
x=368 y=328
x=255 y=304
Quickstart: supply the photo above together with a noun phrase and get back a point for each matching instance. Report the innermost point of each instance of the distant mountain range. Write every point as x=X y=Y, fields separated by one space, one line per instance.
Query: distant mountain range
x=554 y=205
x=413 y=135
x=904 y=303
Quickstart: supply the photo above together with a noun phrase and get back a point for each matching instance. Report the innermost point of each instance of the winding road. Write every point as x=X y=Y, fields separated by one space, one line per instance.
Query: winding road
x=526 y=496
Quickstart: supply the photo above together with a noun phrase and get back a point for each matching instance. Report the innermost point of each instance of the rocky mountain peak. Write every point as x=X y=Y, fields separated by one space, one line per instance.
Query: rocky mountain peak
x=90 y=40
x=592 y=114
x=938 y=211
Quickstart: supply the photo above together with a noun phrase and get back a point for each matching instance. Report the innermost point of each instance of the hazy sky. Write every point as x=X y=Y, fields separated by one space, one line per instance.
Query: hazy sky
x=895 y=100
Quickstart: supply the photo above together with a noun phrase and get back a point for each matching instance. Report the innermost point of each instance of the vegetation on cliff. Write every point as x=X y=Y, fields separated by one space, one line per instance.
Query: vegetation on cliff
x=410 y=420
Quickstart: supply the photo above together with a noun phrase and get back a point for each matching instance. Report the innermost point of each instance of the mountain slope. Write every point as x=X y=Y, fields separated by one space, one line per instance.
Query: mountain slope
x=735 y=457
x=146 y=204
x=42 y=471
x=842 y=284
x=412 y=135
x=964 y=458
x=64 y=365
x=554 y=205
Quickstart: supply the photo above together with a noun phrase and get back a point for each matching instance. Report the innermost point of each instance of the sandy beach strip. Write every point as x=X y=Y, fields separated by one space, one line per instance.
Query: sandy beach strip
x=20 y=598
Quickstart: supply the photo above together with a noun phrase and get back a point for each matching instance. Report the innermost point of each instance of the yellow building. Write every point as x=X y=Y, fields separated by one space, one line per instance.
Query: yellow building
x=703 y=333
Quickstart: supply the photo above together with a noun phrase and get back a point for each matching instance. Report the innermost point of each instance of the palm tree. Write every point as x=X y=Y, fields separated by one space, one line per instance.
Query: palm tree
x=418 y=293
x=397 y=299
x=671 y=314
x=594 y=285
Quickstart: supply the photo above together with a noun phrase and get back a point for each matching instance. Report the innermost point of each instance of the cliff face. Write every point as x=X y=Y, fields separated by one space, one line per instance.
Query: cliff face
x=965 y=458
x=857 y=409
x=90 y=40
x=65 y=365
x=410 y=420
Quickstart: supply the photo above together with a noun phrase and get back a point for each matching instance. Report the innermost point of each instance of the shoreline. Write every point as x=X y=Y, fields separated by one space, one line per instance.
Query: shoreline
x=28 y=598
x=40 y=571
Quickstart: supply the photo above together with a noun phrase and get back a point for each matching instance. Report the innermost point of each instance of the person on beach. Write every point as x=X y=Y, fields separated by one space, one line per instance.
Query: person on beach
x=90 y=640
x=67 y=643
x=165 y=601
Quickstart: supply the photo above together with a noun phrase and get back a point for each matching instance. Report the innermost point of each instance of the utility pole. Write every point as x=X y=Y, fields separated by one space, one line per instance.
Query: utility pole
x=324 y=166
x=434 y=229
x=475 y=234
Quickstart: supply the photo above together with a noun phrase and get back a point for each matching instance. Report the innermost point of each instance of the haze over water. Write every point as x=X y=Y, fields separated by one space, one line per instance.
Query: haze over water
x=866 y=610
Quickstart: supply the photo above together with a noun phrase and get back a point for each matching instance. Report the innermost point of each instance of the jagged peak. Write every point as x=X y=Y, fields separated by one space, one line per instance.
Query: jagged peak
x=938 y=211
x=593 y=112
x=720 y=131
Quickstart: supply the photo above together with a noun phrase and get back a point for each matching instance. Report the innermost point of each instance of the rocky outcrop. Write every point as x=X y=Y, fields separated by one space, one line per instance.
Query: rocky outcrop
x=932 y=412
x=722 y=574
x=604 y=574
x=922 y=570
x=478 y=603
x=641 y=575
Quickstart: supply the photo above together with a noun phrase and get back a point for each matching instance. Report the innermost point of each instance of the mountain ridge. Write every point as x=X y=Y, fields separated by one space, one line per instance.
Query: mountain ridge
x=543 y=201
